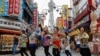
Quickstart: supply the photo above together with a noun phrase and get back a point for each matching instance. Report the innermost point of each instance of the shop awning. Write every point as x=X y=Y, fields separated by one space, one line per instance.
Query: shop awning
x=85 y=12
x=7 y=31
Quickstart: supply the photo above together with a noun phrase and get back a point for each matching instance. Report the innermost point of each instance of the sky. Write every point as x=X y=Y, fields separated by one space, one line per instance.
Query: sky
x=43 y=4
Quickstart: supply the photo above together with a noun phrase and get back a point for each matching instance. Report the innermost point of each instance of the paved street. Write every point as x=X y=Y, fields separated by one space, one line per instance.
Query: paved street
x=40 y=52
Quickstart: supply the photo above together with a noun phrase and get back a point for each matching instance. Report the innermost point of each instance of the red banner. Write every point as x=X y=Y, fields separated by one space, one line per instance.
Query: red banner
x=35 y=17
x=10 y=8
x=92 y=4
x=14 y=7
x=65 y=23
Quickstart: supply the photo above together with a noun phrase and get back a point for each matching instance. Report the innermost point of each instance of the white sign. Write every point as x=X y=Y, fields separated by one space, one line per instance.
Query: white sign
x=4 y=23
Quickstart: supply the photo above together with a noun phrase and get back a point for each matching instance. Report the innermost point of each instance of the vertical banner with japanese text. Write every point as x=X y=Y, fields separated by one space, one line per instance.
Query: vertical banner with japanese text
x=35 y=18
x=14 y=7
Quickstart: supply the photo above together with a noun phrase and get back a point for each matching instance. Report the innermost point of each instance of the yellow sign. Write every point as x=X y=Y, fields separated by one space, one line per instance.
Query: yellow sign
x=65 y=12
x=77 y=31
x=2 y=6
x=60 y=22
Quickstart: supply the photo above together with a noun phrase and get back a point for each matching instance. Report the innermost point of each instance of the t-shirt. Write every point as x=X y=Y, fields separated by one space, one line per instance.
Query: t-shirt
x=15 y=41
x=56 y=40
x=67 y=47
x=46 y=40
x=23 y=41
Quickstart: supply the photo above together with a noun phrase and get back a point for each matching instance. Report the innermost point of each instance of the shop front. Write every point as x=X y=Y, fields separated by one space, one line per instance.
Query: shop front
x=8 y=28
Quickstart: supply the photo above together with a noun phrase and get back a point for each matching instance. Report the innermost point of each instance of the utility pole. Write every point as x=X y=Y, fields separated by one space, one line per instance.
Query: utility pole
x=51 y=5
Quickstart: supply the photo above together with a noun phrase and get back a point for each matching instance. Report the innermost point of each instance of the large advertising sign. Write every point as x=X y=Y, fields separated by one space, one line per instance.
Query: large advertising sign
x=65 y=12
x=14 y=7
x=60 y=22
x=35 y=17
x=3 y=7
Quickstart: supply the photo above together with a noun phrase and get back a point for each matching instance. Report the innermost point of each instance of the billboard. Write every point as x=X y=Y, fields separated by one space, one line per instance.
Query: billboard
x=3 y=7
x=59 y=22
x=14 y=7
x=35 y=15
x=65 y=12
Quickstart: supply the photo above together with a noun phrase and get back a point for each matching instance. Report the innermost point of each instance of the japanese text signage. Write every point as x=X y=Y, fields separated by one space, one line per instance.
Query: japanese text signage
x=14 y=7
x=35 y=17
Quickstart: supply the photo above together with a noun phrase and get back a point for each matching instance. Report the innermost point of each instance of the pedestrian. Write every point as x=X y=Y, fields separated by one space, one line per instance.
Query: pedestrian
x=32 y=44
x=15 y=44
x=84 y=48
x=56 y=42
x=23 y=44
x=77 y=41
x=67 y=49
x=46 y=41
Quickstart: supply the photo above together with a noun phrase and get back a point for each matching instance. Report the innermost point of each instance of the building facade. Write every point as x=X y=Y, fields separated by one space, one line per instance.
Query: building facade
x=15 y=15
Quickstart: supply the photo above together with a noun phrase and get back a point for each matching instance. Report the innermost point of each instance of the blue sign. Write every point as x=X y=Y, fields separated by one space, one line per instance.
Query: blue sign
x=3 y=7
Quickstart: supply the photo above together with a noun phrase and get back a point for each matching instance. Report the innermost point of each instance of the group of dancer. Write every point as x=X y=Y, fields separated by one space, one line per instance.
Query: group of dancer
x=53 y=39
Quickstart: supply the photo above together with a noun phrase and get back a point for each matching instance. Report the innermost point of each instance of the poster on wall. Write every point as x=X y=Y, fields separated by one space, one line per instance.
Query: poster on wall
x=3 y=7
x=14 y=7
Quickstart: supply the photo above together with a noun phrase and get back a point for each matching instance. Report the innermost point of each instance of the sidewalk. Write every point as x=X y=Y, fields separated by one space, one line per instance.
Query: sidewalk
x=40 y=52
